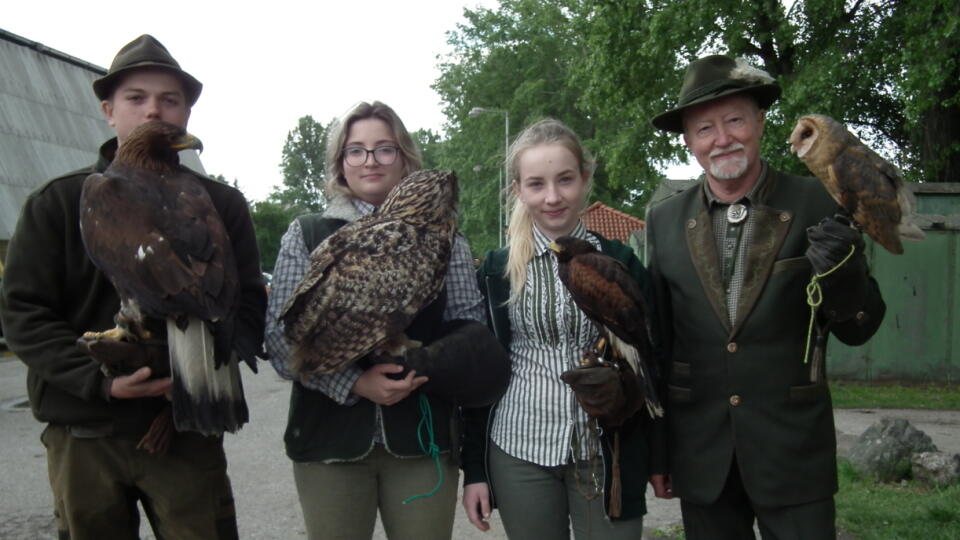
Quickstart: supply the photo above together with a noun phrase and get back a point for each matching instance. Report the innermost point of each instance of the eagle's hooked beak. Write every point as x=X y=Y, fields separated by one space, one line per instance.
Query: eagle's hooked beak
x=187 y=141
x=555 y=247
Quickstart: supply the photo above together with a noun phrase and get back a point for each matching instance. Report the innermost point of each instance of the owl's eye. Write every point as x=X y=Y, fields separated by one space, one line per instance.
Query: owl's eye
x=806 y=134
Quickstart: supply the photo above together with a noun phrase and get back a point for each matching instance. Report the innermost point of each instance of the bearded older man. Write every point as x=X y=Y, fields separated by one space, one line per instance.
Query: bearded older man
x=749 y=434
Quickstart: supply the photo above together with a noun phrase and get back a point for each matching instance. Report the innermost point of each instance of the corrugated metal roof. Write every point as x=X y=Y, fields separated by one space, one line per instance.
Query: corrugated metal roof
x=50 y=120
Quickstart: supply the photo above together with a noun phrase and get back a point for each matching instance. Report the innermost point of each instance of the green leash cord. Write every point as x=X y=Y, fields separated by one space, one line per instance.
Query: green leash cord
x=815 y=298
x=431 y=449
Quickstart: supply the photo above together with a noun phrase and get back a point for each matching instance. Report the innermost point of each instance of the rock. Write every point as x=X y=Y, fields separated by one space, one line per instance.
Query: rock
x=883 y=452
x=936 y=469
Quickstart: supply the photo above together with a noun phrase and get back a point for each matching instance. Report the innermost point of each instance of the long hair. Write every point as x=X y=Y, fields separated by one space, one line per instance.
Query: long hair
x=336 y=181
x=520 y=230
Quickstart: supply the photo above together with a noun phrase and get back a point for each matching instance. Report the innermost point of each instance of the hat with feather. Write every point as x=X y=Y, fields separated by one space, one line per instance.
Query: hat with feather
x=145 y=52
x=717 y=76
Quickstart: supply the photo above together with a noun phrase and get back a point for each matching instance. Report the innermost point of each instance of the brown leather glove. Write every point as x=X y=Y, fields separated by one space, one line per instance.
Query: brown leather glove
x=124 y=357
x=605 y=392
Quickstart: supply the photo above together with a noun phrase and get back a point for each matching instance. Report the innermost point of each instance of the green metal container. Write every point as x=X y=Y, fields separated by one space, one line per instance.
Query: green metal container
x=919 y=339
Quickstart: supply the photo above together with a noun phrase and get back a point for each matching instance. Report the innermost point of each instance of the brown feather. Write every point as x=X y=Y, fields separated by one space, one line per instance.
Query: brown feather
x=369 y=279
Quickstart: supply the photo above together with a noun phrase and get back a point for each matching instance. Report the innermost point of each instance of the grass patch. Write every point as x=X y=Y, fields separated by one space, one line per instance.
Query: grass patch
x=871 y=511
x=858 y=395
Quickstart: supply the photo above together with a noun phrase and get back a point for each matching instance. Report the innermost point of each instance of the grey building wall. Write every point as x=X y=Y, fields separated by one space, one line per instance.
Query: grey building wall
x=50 y=121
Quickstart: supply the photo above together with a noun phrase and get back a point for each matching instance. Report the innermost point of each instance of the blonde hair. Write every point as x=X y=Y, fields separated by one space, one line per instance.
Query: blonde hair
x=520 y=229
x=336 y=182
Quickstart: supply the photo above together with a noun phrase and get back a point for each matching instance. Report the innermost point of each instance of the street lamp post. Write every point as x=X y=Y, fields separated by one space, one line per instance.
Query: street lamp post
x=505 y=177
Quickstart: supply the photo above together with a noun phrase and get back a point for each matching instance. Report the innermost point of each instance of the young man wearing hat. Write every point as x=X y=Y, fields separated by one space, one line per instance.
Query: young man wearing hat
x=52 y=293
x=749 y=430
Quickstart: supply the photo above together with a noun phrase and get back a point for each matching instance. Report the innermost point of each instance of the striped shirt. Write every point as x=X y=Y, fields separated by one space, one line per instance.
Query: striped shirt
x=538 y=418
x=463 y=302
x=718 y=215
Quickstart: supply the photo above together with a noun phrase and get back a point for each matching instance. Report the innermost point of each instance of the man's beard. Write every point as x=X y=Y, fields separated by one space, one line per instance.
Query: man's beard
x=730 y=168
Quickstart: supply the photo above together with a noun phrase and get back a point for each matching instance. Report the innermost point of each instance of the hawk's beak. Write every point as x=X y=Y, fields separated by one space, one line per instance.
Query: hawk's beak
x=555 y=247
x=187 y=141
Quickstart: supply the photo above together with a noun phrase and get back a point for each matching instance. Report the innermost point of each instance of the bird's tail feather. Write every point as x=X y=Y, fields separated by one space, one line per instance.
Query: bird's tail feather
x=206 y=398
x=907 y=229
x=632 y=356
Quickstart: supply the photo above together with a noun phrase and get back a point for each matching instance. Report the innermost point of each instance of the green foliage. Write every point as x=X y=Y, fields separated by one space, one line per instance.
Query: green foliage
x=429 y=143
x=303 y=167
x=870 y=511
x=887 y=69
x=270 y=221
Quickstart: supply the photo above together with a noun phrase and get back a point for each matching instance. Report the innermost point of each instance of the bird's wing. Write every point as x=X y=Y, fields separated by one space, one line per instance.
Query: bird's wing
x=367 y=285
x=870 y=187
x=608 y=294
x=165 y=248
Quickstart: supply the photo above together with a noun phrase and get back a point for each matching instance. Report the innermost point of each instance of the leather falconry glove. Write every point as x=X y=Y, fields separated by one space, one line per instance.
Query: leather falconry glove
x=609 y=394
x=466 y=365
x=843 y=287
x=124 y=357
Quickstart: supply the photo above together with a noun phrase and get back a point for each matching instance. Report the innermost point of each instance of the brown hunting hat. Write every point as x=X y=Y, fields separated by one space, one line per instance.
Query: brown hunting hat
x=713 y=77
x=145 y=52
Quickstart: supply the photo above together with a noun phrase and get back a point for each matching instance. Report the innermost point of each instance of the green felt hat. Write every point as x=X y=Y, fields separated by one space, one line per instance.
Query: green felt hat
x=717 y=76
x=145 y=52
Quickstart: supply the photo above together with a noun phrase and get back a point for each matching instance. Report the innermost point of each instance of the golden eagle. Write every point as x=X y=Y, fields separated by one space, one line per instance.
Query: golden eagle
x=609 y=296
x=152 y=228
x=368 y=280
x=863 y=183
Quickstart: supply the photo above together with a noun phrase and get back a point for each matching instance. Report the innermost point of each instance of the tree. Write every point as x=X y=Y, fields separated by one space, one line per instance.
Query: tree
x=887 y=69
x=270 y=221
x=429 y=143
x=303 y=167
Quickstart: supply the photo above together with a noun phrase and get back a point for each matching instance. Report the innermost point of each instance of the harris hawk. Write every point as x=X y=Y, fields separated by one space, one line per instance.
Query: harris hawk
x=152 y=229
x=867 y=186
x=368 y=280
x=609 y=296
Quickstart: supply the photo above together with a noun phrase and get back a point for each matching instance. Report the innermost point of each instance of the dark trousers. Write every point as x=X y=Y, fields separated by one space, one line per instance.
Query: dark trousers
x=732 y=515
x=97 y=483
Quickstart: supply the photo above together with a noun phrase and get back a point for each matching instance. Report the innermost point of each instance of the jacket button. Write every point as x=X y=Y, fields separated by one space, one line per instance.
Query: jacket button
x=691 y=223
x=735 y=400
x=732 y=347
x=785 y=217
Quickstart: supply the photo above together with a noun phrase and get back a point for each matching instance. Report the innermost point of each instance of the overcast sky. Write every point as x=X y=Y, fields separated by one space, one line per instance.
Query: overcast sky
x=264 y=68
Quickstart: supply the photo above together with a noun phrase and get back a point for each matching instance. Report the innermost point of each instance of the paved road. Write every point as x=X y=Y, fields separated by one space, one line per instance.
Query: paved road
x=261 y=473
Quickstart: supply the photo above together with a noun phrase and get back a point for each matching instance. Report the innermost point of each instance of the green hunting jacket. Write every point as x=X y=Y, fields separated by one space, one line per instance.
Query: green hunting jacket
x=744 y=391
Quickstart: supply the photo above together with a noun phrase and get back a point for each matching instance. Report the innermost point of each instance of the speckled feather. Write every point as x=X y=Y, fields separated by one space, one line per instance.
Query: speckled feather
x=369 y=279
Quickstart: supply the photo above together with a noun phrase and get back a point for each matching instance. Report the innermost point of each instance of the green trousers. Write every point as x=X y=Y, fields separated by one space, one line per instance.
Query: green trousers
x=97 y=483
x=538 y=503
x=340 y=500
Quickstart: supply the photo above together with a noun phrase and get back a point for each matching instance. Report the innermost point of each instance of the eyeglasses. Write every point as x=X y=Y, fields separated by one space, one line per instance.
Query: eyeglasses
x=356 y=156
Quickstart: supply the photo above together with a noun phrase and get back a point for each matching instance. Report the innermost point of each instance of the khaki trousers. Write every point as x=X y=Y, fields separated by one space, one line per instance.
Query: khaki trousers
x=539 y=503
x=97 y=483
x=340 y=500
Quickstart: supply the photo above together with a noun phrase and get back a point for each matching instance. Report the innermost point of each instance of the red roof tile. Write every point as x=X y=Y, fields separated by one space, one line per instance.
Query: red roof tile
x=611 y=223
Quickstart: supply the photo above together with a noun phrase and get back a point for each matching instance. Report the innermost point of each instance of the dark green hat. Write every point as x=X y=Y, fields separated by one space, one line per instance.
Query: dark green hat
x=145 y=52
x=713 y=77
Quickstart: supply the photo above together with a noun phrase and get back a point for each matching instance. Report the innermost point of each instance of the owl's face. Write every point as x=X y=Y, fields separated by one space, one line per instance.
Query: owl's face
x=805 y=137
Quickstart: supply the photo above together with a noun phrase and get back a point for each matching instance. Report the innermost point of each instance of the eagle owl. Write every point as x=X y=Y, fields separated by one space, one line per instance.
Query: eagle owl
x=609 y=296
x=368 y=280
x=863 y=183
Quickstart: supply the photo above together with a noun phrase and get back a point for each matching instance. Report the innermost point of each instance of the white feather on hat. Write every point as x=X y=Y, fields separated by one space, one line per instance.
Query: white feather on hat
x=743 y=71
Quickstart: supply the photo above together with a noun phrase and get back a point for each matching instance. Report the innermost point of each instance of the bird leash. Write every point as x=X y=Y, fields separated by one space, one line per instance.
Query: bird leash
x=430 y=448
x=815 y=298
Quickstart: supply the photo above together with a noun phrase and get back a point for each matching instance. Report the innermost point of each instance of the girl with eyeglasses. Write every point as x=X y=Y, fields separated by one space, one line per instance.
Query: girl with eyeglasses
x=549 y=465
x=353 y=435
